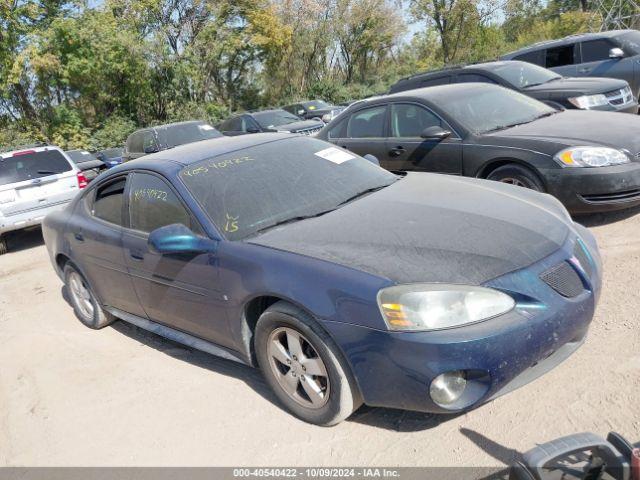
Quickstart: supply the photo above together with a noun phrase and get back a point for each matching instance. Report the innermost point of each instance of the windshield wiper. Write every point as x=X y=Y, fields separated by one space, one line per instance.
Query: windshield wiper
x=504 y=127
x=313 y=215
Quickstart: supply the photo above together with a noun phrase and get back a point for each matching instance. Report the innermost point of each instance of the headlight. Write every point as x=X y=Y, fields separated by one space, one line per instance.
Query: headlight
x=590 y=157
x=435 y=306
x=589 y=101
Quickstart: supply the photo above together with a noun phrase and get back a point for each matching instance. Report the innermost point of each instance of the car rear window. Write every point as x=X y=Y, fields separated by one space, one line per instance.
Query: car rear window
x=30 y=165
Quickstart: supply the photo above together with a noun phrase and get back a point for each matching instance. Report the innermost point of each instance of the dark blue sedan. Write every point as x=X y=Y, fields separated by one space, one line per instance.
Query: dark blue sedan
x=345 y=283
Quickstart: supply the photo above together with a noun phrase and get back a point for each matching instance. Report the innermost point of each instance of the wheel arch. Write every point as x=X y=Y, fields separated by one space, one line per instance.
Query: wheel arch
x=492 y=165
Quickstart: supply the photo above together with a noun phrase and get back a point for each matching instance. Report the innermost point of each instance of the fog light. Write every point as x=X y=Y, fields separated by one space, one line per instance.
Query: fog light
x=448 y=387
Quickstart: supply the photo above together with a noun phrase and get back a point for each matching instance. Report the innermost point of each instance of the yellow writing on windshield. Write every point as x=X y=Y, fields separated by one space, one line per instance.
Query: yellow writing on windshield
x=149 y=194
x=213 y=165
x=231 y=224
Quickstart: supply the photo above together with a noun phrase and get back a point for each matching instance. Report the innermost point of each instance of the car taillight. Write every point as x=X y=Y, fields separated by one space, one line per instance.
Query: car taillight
x=82 y=180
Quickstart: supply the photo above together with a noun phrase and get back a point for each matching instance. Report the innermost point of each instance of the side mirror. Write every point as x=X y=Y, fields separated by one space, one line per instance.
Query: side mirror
x=616 y=53
x=150 y=149
x=372 y=158
x=177 y=238
x=301 y=112
x=435 y=133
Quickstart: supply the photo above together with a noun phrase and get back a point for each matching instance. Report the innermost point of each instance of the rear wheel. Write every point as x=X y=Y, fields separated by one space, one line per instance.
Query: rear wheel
x=517 y=175
x=301 y=364
x=4 y=248
x=84 y=302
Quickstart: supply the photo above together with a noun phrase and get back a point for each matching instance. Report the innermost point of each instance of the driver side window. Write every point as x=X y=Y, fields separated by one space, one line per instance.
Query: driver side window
x=152 y=204
x=409 y=120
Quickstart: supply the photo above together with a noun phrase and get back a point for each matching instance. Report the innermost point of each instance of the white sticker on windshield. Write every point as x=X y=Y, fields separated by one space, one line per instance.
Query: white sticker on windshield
x=85 y=152
x=206 y=127
x=335 y=155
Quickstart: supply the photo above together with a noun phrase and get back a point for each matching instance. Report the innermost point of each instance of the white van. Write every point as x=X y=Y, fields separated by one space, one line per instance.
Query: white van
x=34 y=182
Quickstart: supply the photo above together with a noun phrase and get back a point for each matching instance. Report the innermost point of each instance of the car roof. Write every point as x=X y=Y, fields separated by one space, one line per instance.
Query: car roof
x=570 y=38
x=434 y=94
x=175 y=158
x=487 y=66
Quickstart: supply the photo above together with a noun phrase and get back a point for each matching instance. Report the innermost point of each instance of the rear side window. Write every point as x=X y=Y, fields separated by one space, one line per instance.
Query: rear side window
x=367 y=123
x=135 y=142
x=29 y=165
x=595 y=50
x=108 y=201
x=534 y=57
x=474 y=77
x=559 y=56
x=152 y=204
x=432 y=82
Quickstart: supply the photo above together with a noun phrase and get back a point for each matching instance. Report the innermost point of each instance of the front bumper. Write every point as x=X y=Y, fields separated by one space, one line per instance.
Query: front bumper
x=598 y=189
x=395 y=369
x=630 y=107
x=29 y=218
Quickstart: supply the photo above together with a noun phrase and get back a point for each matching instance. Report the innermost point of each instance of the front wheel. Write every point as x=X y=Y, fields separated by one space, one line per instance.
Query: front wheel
x=301 y=365
x=516 y=175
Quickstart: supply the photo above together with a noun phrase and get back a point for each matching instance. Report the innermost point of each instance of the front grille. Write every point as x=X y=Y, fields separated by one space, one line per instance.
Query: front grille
x=620 y=96
x=579 y=251
x=624 y=196
x=563 y=279
x=309 y=131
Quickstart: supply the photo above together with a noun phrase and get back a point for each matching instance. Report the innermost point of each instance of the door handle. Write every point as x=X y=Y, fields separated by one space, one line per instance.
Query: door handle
x=78 y=236
x=396 y=152
x=136 y=255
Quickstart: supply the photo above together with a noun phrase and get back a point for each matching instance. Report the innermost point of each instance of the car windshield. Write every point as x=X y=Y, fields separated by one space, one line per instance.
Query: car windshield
x=112 y=152
x=81 y=156
x=315 y=104
x=29 y=165
x=523 y=74
x=253 y=189
x=489 y=108
x=174 y=135
x=630 y=42
x=274 y=118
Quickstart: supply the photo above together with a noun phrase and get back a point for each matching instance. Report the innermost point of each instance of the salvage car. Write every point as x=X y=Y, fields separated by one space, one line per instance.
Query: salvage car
x=345 y=283
x=595 y=93
x=275 y=120
x=33 y=182
x=587 y=159
x=310 y=109
x=87 y=162
x=162 y=137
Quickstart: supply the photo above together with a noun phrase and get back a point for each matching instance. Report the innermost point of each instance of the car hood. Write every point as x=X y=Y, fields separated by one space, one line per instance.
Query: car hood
x=574 y=128
x=301 y=125
x=578 y=86
x=432 y=228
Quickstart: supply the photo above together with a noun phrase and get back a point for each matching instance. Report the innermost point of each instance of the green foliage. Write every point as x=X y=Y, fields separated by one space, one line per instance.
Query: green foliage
x=86 y=77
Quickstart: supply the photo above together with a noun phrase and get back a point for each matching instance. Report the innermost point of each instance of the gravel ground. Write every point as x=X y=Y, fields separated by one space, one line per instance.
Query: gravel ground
x=70 y=396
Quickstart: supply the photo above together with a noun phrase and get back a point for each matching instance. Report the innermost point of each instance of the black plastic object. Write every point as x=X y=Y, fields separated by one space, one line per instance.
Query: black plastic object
x=583 y=456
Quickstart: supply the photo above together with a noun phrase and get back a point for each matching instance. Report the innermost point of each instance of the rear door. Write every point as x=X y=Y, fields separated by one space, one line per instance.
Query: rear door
x=407 y=150
x=178 y=290
x=364 y=132
x=95 y=236
x=35 y=179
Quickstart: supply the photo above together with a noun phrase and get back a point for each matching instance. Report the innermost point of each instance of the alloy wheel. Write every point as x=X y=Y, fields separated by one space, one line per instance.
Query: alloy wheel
x=513 y=181
x=298 y=368
x=81 y=295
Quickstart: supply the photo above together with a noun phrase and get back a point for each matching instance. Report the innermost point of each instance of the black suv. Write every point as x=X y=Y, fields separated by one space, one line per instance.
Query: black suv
x=534 y=81
x=269 y=121
x=161 y=137
x=613 y=54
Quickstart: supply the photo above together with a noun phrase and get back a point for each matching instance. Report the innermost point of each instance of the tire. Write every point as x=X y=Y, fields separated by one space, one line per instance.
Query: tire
x=83 y=300
x=336 y=396
x=4 y=247
x=517 y=175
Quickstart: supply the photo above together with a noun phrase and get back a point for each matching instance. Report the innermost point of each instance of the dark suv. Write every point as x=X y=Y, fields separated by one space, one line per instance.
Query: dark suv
x=613 y=54
x=161 y=137
x=533 y=81
x=269 y=121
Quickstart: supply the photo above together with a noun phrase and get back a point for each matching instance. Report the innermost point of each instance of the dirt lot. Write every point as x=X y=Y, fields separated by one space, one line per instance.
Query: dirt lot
x=121 y=396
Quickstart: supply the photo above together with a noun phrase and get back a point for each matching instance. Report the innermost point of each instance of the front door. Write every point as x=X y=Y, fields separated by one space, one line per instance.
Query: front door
x=407 y=150
x=179 y=290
